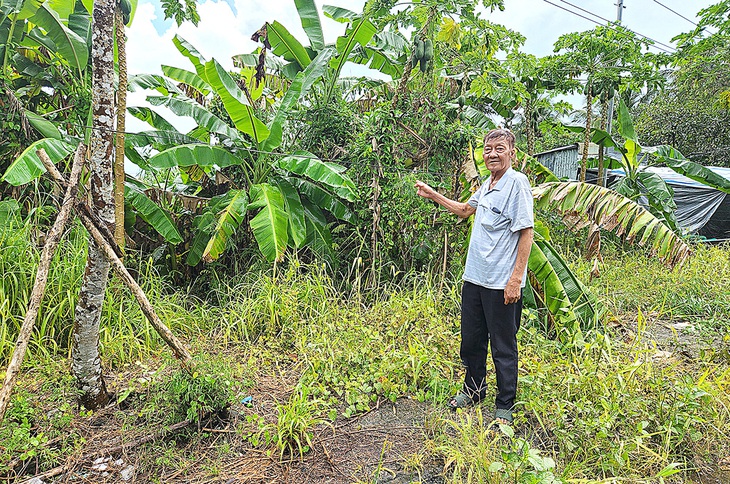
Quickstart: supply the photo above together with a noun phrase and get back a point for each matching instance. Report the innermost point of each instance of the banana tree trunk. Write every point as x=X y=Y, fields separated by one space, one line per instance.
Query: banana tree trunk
x=121 y=126
x=85 y=359
x=528 y=124
x=604 y=123
x=587 y=139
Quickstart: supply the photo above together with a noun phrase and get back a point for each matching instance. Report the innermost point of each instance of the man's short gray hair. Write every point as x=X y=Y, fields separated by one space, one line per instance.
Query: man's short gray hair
x=501 y=133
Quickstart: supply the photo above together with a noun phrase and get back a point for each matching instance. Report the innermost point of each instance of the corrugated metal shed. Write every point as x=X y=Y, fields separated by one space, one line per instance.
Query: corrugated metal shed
x=565 y=161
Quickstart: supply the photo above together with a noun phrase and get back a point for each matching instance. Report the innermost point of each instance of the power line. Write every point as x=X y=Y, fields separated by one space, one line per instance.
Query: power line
x=677 y=13
x=608 y=22
x=663 y=49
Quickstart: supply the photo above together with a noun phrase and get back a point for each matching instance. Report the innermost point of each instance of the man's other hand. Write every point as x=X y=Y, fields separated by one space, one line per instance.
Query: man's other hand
x=512 y=292
x=424 y=190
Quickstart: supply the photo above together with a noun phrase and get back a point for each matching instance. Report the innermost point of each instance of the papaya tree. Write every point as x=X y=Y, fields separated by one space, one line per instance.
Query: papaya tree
x=587 y=59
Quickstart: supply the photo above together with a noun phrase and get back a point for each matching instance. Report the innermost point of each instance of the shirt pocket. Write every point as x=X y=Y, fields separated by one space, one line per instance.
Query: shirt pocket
x=493 y=217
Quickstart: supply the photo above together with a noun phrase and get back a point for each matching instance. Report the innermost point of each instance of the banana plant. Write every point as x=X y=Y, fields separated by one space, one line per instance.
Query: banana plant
x=288 y=191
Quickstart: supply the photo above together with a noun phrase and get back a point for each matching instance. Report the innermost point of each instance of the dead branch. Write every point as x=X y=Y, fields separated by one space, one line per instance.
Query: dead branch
x=41 y=278
x=105 y=245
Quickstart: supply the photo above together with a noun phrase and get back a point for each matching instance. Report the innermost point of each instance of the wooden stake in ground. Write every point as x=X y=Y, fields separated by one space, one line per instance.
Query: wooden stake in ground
x=177 y=347
x=41 y=278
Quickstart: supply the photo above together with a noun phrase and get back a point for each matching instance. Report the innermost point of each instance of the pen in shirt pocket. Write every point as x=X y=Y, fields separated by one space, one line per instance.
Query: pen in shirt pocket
x=496 y=210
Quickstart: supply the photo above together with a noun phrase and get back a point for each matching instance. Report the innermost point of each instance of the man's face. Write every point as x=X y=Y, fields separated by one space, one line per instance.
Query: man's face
x=498 y=156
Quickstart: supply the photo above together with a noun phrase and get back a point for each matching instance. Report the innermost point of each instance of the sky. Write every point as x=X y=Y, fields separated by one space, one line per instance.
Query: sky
x=226 y=27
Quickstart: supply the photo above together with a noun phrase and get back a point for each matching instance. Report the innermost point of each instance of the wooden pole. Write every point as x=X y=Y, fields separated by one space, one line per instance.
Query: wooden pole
x=41 y=278
x=177 y=347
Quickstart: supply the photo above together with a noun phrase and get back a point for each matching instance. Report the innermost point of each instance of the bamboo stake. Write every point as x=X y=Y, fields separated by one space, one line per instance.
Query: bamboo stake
x=41 y=278
x=177 y=347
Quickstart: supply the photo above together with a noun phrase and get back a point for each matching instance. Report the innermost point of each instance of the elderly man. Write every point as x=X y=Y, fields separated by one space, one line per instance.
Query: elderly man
x=495 y=273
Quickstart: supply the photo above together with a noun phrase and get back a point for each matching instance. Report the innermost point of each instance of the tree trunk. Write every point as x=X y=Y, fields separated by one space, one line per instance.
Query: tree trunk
x=587 y=138
x=121 y=126
x=85 y=359
x=604 y=123
x=528 y=125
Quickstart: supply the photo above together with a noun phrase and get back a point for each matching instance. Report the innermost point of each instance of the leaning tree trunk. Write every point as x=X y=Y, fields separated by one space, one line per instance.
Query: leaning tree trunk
x=604 y=123
x=121 y=126
x=530 y=133
x=86 y=362
x=587 y=139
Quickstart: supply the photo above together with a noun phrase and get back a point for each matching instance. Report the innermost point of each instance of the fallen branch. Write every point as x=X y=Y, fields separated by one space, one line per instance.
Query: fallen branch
x=112 y=450
x=105 y=245
x=41 y=278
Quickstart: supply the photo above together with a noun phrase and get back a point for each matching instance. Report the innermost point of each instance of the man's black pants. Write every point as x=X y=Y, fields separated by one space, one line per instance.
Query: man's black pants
x=485 y=319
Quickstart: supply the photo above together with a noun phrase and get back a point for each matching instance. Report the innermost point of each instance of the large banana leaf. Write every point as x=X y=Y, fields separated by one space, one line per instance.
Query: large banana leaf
x=286 y=45
x=152 y=81
x=294 y=210
x=298 y=88
x=478 y=119
x=196 y=154
x=186 y=107
x=270 y=224
x=306 y=164
x=160 y=139
x=360 y=32
x=192 y=54
x=614 y=212
x=203 y=225
x=151 y=213
x=583 y=302
x=235 y=102
x=662 y=196
x=378 y=59
x=233 y=207
x=339 y=14
x=311 y=23
x=27 y=167
x=46 y=128
x=677 y=162
x=319 y=238
x=68 y=44
x=323 y=199
x=151 y=117
x=187 y=77
x=556 y=298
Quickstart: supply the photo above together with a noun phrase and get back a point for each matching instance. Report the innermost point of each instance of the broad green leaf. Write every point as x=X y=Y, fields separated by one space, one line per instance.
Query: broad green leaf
x=63 y=8
x=625 y=123
x=192 y=54
x=152 y=81
x=203 y=224
x=311 y=23
x=613 y=212
x=68 y=44
x=306 y=164
x=319 y=238
x=234 y=205
x=677 y=162
x=323 y=199
x=160 y=139
x=339 y=14
x=197 y=154
x=286 y=45
x=187 y=77
x=584 y=303
x=661 y=196
x=27 y=167
x=556 y=298
x=151 y=117
x=248 y=77
x=44 y=127
x=235 y=102
x=187 y=107
x=295 y=212
x=151 y=213
x=379 y=60
x=478 y=118
x=599 y=136
x=298 y=88
x=80 y=23
x=360 y=32
x=270 y=224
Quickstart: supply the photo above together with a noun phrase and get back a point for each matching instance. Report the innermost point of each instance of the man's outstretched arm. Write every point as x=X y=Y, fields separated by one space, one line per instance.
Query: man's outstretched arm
x=463 y=210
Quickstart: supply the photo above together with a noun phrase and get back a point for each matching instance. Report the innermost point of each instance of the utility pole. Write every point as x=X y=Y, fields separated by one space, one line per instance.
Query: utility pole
x=619 y=14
